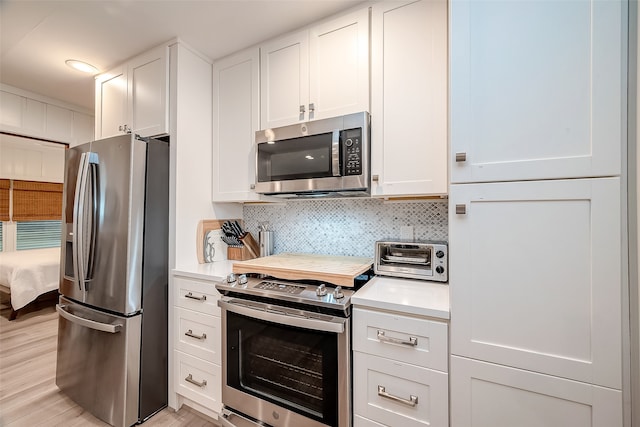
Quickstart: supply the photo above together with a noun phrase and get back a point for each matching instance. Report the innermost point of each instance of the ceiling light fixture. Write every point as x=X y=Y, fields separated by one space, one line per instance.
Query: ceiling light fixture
x=81 y=66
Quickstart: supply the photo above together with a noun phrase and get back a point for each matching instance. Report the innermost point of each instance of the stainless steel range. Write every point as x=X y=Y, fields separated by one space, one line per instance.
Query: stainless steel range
x=286 y=353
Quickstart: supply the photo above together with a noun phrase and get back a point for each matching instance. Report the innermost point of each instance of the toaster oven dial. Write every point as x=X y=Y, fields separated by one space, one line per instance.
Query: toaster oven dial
x=439 y=269
x=439 y=254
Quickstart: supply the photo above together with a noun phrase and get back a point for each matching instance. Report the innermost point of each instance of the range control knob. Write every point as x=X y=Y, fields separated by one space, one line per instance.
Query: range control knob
x=231 y=278
x=440 y=254
x=321 y=290
x=337 y=293
x=242 y=279
x=439 y=269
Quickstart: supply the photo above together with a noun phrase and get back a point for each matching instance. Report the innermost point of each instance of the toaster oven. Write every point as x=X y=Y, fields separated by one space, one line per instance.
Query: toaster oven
x=425 y=260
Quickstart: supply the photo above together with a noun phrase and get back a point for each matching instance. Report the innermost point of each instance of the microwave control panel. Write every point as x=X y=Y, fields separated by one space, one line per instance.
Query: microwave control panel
x=352 y=151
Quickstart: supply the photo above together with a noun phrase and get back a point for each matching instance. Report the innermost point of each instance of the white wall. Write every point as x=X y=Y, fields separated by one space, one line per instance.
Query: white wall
x=191 y=136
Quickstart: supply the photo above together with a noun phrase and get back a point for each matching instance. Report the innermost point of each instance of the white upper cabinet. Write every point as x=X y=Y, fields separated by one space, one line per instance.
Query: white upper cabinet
x=317 y=73
x=536 y=89
x=409 y=98
x=134 y=96
x=236 y=118
x=536 y=278
x=31 y=160
x=39 y=118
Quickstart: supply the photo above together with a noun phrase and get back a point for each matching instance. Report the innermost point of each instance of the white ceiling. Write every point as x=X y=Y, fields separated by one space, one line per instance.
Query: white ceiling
x=37 y=36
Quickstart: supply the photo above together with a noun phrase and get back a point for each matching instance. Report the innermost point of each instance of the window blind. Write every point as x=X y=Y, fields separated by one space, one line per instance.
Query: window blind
x=4 y=199
x=36 y=201
x=1 y=240
x=38 y=234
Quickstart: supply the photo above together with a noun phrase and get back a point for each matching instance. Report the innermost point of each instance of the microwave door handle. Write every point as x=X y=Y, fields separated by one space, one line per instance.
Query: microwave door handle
x=335 y=153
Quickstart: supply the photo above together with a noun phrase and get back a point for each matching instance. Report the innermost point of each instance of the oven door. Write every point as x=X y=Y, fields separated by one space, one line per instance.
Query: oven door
x=285 y=367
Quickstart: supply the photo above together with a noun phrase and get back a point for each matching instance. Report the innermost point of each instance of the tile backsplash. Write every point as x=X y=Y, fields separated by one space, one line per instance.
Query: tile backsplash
x=345 y=226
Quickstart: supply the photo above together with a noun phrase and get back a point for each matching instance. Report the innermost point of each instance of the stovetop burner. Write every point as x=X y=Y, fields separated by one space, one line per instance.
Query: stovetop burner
x=305 y=293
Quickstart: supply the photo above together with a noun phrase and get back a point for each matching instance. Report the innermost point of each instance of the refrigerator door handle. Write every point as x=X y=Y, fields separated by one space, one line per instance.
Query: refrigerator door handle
x=78 y=210
x=86 y=178
x=104 y=327
x=92 y=172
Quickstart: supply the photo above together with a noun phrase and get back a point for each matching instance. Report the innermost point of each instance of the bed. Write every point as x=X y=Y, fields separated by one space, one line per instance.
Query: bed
x=27 y=274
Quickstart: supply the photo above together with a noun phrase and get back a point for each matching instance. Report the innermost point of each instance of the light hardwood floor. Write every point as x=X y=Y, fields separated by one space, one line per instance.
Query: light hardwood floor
x=28 y=393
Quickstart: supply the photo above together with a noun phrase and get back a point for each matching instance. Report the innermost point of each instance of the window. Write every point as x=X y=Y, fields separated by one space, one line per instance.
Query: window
x=38 y=234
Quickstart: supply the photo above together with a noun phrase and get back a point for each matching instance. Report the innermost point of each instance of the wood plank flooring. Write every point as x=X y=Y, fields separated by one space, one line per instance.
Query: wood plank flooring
x=28 y=393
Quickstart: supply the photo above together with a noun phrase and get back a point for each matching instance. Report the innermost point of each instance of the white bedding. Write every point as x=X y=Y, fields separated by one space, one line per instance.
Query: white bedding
x=29 y=273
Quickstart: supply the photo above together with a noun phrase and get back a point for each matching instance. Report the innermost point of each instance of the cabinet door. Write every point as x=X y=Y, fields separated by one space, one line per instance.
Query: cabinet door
x=535 y=276
x=488 y=395
x=83 y=125
x=148 y=88
x=409 y=98
x=284 y=80
x=236 y=118
x=339 y=66
x=111 y=103
x=59 y=123
x=531 y=104
x=11 y=106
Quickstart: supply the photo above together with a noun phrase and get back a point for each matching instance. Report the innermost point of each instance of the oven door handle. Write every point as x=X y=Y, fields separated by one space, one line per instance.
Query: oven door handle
x=336 y=325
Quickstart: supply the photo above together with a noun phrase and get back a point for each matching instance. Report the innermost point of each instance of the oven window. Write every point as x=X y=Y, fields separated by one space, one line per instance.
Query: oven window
x=298 y=158
x=292 y=367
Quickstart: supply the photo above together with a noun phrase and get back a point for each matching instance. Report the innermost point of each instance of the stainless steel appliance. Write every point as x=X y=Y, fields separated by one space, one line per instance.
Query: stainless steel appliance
x=328 y=157
x=112 y=330
x=414 y=260
x=286 y=352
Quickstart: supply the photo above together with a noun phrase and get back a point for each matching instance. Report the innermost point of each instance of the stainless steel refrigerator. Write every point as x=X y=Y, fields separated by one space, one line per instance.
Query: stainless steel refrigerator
x=112 y=329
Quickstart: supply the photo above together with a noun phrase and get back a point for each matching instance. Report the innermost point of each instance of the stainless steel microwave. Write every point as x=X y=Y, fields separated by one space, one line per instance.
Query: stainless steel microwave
x=328 y=157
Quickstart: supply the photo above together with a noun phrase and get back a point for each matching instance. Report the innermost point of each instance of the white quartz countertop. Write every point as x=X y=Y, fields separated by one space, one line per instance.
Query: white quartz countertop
x=417 y=297
x=213 y=271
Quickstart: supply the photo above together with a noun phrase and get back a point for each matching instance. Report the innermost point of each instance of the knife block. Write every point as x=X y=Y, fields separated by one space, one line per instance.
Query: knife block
x=239 y=254
x=249 y=249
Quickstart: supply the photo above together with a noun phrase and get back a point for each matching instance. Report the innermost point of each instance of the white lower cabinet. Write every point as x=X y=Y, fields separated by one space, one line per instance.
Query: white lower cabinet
x=399 y=369
x=197 y=374
x=199 y=381
x=490 y=395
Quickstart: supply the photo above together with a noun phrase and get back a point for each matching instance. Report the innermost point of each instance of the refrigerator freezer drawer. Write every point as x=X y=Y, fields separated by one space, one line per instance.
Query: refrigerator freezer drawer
x=98 y=361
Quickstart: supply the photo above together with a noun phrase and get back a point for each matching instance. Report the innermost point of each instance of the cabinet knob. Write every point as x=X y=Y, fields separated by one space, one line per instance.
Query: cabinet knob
x=461 y=209
x=461 y=157
x=375 y=178
x=252 y=186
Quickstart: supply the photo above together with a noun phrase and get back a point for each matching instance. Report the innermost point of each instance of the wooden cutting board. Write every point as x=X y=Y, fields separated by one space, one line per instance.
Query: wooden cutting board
x=338 y=270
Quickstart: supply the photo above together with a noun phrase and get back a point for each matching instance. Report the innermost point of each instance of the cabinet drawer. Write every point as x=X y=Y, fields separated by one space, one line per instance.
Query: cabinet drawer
x=359 y=421
x=199 y=381
x=383 y=334
x=384 y=389
x=198 y=334
x=196 y=295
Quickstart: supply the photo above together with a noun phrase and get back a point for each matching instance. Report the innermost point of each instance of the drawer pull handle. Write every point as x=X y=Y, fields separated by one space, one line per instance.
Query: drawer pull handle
x=413 y=341
x=191 y=296
x=190 y=333
x=413 y=400
x=194 y=382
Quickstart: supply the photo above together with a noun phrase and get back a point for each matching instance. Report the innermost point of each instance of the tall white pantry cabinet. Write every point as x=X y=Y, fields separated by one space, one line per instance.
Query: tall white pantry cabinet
x=537 y=124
